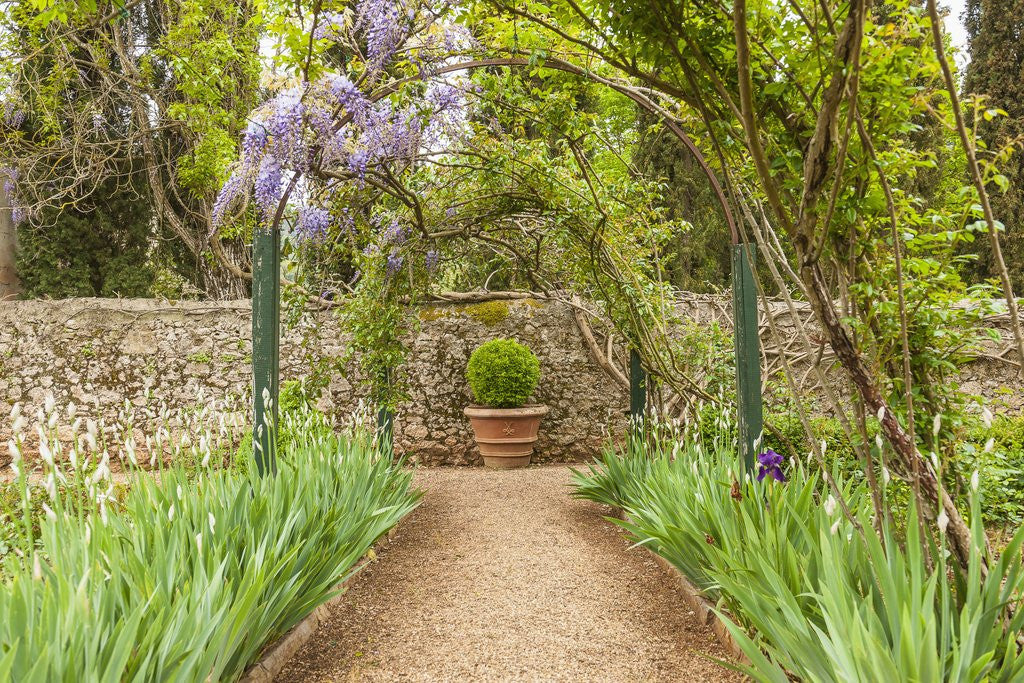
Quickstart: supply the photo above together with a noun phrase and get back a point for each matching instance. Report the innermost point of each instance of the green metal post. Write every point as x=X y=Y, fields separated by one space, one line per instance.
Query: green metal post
x=266 y=343
x=385 y=420
x=748 y=353
x=637 y=392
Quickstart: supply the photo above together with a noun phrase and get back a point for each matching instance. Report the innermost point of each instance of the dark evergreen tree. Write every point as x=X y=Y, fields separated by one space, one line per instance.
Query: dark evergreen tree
x=995 y=29
x=99 y=247
x=701 y=260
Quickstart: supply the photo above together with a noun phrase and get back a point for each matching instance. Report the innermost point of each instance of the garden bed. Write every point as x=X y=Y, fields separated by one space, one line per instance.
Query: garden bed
x=191 y=573
x=805 y=589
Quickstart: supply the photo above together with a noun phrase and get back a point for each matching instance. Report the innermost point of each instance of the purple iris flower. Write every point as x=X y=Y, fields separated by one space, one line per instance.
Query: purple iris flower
x=770 y=461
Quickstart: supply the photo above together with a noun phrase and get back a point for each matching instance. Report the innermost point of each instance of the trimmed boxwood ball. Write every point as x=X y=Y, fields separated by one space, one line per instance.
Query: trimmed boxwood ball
x=503 y=373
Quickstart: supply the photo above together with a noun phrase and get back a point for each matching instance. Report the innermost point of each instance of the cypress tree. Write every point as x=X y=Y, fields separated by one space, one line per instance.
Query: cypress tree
x=995 y=29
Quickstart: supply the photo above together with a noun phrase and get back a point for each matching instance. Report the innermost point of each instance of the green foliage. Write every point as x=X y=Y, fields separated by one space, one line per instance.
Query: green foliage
x=97 y=247
x=502 y=373
x=103 y=85
x=805 y=589
x=997 y=453
x=994 y=29
x=699 y=255
x=188 y=580
x=376 y=326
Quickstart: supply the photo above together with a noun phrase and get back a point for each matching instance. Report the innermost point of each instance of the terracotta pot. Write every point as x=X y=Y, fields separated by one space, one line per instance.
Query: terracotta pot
x=506 y=435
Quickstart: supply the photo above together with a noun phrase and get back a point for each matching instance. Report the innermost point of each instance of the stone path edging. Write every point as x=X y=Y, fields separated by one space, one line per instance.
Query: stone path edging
x=696 y=601
x=277 y=654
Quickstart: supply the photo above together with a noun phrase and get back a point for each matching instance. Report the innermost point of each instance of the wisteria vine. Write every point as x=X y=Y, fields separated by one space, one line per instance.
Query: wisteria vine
x=307 y=140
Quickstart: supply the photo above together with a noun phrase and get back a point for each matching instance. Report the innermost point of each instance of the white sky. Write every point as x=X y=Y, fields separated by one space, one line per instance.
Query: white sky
x=955 y=28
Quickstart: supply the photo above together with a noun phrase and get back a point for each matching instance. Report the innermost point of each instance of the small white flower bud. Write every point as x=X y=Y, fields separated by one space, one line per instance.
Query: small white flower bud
x=45 y=453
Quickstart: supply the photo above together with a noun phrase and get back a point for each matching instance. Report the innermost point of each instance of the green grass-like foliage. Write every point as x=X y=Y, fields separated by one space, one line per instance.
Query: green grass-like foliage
x=801 y=589
x=189 y=578
x=503 y=373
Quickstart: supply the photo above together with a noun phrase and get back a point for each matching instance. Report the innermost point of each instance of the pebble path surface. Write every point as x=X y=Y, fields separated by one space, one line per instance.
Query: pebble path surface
x=501 y=576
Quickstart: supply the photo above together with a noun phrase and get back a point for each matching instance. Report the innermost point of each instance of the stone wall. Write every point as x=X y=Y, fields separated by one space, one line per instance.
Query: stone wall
x=100 y=352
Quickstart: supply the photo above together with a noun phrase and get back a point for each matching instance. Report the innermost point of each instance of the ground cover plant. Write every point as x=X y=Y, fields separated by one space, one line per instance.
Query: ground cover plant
x=808 y=588
x=185 y=574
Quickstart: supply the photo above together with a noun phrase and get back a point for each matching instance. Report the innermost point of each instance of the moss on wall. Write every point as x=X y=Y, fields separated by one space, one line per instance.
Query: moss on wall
x=489 y=313
x=428 y=313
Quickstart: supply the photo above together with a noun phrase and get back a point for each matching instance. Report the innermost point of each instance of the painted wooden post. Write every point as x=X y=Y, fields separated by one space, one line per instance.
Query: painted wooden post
x=266 y=346
x=748 y=353
x=637 y=393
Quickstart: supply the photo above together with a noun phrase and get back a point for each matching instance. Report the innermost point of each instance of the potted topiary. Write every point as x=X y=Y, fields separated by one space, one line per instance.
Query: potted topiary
x=503 y=374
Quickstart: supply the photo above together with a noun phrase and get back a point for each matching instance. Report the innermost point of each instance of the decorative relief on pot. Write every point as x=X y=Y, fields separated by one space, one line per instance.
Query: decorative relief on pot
x=509 y=430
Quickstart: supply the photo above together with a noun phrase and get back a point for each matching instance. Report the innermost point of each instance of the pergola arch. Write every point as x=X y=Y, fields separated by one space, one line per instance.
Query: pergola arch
x=266 y=288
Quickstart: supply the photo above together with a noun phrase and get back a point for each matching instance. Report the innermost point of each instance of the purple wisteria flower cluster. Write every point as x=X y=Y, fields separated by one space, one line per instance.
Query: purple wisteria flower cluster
x=430 y=261
x=334 y=124
x=385 y=26
x=13 y=113
x=314 y=222
x=770 y=465
x=8 y=181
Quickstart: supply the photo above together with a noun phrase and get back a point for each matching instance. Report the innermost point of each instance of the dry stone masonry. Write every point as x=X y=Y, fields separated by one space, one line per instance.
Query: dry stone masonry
x=100 y=352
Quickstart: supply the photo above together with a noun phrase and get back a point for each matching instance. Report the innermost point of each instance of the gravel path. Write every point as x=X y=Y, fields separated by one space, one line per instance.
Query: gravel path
x=501 y=576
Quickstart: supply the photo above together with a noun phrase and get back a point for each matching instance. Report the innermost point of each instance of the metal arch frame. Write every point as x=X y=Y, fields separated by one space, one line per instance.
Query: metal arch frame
x=266 y=326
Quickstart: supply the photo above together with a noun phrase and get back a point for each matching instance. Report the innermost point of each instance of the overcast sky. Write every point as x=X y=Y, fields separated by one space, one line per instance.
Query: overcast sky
x=955 y=27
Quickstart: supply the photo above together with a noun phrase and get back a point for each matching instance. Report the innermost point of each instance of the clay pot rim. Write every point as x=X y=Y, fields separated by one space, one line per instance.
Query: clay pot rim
x=529 y=410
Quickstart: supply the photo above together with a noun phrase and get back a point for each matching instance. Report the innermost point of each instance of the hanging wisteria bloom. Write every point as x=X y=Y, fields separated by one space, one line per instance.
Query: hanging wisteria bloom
x=430 y=261
x=8 y=181
x=13 y=113
x=394 y=263
x=385 y=27
x=395 y=233
x=343 y=127
x=314 y=222
x=267 y=188
x=770 y=462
